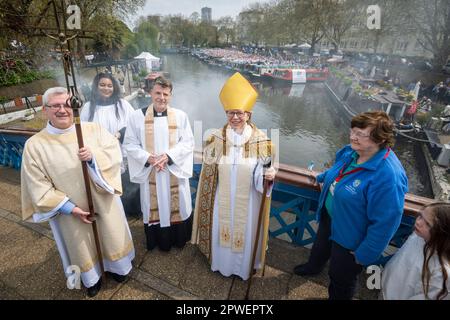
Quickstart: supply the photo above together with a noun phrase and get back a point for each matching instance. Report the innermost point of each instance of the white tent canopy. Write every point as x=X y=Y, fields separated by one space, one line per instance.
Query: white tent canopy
x=304 y=46
x=151 y=62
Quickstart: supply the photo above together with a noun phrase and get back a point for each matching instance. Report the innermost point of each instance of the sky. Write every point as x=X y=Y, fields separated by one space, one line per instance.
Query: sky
x=220 y=8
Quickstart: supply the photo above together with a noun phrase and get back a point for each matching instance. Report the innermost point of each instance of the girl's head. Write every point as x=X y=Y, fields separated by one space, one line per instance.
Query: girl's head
x=105 y=87
x=433 y=224
x=105 y=91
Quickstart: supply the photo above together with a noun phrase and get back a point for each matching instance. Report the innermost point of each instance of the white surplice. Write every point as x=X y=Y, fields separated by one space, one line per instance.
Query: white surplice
x=181 y=155
x=105 y=115
x=223 y=259
x=402 y=275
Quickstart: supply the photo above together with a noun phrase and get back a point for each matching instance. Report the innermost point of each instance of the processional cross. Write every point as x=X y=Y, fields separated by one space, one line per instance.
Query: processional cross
x=65 y=25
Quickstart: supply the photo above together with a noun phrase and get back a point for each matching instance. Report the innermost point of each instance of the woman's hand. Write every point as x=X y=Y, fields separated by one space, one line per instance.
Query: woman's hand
x=270 y=173
x=313 y=179
x=85 y=154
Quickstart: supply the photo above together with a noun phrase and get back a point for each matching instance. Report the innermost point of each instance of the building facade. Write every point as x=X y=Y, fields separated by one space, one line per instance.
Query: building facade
x=206 y=14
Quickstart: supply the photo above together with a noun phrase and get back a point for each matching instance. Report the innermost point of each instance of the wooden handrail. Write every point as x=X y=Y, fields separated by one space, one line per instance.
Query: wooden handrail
x=19 y=132
x=304 y=178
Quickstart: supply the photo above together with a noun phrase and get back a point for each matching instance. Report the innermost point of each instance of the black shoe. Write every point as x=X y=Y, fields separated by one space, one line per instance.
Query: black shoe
x=118 y=278
x=305 y=270
x=92 y=291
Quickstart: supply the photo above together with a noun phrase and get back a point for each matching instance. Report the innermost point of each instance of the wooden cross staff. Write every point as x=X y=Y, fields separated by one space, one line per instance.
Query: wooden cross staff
x=76 y=103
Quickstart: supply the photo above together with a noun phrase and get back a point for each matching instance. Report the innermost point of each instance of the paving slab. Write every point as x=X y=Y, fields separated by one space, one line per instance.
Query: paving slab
x=10 y=190
x=201 y=281
x=168 y=266
x=46 y=282
x=22 y=253
x=161 y=286
x=304 y=289
x=6 y=227
x=138 y=234
x=8 y=293
x=272 y=286
x=285 y=256
x=134 y=290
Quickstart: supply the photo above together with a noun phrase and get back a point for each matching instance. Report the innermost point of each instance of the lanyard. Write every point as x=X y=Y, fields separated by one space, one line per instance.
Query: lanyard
x=342 y=174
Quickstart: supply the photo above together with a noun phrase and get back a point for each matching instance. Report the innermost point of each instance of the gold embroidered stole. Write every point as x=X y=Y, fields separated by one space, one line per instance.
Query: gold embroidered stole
x=174 y=190
x=234 y=237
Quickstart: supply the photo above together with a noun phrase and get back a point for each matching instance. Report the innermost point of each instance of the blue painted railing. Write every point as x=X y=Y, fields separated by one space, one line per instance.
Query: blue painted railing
x=11 y=148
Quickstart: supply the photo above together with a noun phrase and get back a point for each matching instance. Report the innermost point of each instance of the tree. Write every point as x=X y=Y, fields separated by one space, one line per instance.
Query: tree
x=250 y=23
x=146 y=37
x=311 y=14
x=291 y=30
x=225 y=27
x=394 y=22
x=113 y=39
x=25 y=20
x=339 y=17
x=194 y=18
x=431 y=18
x=173 y=30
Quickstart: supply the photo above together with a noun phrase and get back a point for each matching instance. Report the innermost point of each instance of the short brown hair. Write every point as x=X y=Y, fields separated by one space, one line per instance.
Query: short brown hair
x=163 y=82
x=383 y=126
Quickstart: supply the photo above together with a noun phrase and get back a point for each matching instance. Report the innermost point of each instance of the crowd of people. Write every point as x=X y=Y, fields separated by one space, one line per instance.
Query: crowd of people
x=360 y=204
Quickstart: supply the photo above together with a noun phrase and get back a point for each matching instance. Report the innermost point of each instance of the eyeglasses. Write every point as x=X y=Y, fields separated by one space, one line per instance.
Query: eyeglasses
x=239 y=114
x=358 y=134
x=56 y=107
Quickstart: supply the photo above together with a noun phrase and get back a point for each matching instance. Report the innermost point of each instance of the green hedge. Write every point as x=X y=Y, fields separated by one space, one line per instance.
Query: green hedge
x=16 y=72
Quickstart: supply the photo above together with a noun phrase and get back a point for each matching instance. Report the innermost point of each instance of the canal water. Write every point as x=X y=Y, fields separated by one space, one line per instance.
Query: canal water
x=308 y=125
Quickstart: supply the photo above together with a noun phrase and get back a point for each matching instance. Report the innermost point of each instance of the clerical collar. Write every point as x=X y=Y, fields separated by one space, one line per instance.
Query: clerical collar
x=159 y=114
x=52 y=130
x=238 y=140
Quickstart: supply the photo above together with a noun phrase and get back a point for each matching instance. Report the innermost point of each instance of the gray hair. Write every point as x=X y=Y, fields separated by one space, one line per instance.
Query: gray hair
x=55 y=91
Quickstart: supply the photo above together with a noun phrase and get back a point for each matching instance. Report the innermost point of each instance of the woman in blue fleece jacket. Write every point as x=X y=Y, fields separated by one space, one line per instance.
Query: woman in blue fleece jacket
x=360 y=206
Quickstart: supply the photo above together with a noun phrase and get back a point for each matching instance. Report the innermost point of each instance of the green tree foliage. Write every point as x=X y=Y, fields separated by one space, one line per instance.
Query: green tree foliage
x=178 y=31
x=14 y=72
x=432 y=19
x=113 y=39
x=146 y=37
x=226 y=30
x=340 y=17
x=29 y=20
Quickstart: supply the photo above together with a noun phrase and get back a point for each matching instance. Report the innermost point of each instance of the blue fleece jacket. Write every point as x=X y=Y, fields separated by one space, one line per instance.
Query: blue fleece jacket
x=367 y=205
